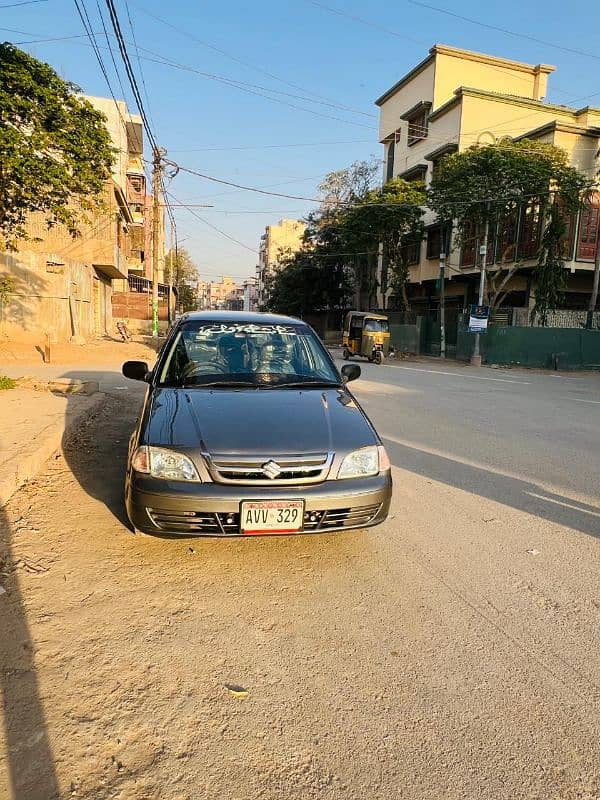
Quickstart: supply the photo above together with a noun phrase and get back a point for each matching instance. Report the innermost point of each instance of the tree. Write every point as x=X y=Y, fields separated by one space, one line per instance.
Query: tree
x=182 y=273
x=342 y=242
x=511 y=181
x=346 y=186
x=390 y=217
x=55 y=150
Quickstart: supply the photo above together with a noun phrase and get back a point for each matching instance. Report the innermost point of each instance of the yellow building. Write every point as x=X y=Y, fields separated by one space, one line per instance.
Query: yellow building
x=277 y=241
x=225 y=294
x=65 y=285
x=455 y=99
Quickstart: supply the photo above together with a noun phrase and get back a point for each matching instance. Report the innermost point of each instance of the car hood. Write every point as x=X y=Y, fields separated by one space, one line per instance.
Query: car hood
x=256 y=421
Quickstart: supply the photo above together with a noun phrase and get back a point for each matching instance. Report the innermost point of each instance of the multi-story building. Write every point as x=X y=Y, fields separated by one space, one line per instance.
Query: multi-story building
x=74 y=279
x=250 y=295
x=276 y=242
x=203 y=294
x=455 y=99
x=225 y=294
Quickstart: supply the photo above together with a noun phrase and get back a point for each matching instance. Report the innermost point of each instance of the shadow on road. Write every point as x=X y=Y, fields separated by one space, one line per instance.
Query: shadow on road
x=520 y=494
x=30 y=765
x=96 y=452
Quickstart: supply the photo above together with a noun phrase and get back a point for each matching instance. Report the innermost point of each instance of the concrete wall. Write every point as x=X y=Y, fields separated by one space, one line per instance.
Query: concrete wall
x=463 y=68
x=419 y=88
x=51 y=298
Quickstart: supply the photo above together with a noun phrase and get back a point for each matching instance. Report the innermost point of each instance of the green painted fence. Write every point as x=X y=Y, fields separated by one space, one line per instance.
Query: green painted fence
x=549 y=348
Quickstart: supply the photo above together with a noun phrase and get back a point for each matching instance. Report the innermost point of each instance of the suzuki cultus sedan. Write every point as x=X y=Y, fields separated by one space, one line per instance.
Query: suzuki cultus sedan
x=248 y=428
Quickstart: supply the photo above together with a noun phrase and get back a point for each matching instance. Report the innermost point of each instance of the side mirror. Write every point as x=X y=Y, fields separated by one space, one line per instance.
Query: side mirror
x=350 y=372
x=136 y=370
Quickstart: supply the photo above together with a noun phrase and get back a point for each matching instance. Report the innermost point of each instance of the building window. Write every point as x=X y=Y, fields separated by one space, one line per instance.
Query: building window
x=411 y=250
x=136 y=183
x=437 y=241
x=468 y=250
x=417 y=127
x=589 y=224
x=389 y=166
x=531 y=229
x=504 y=238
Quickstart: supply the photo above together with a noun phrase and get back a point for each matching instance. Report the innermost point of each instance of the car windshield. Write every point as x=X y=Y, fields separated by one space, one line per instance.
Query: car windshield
x=205 y=353
x=376 y=325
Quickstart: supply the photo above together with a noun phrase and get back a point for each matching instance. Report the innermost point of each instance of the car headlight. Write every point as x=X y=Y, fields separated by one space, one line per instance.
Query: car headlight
x=166 y=464
x=364 y=462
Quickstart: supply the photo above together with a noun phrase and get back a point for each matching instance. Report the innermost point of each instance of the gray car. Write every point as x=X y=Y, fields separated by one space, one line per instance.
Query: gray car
x=248 y=428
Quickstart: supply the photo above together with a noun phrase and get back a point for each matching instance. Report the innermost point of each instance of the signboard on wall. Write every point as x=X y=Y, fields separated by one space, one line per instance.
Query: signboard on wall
x=478 y=319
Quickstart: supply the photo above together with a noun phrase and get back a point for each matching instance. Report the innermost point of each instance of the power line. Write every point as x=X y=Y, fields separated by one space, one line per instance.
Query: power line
x=137 y=51
x=214 y=227
x=24 y=3
x=367 y=22
x=391 y=32
x=235 y=58
x=129 y=70
x=248 y=88
x=273 y=146
x=554 y=45
x=241 y=186
x=257 y=90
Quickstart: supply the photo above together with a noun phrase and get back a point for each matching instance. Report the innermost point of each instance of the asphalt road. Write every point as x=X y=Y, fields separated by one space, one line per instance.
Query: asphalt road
x=449 y=654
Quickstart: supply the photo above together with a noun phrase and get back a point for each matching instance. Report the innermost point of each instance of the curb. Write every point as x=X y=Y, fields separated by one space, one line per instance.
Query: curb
x=50 y=442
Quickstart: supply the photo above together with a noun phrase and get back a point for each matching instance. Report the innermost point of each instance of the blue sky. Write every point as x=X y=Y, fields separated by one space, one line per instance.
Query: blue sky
x=307 y=51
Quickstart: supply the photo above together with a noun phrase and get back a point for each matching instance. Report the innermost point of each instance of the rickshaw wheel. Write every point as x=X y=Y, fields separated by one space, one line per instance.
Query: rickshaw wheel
x=346 y=354
x=379 y=357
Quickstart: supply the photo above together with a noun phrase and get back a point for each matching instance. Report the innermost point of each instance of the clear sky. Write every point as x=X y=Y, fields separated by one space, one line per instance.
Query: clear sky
x=307 y=61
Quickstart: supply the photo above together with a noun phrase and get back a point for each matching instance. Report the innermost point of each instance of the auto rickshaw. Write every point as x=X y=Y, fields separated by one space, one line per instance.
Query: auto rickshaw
x=366 y=334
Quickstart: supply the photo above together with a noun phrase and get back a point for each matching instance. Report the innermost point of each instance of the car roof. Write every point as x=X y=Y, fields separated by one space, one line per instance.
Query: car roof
x=240 y=316
x=366 y=314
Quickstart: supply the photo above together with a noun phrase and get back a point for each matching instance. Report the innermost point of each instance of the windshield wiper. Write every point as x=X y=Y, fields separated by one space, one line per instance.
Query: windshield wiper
x=294 y=384
x=212 y=384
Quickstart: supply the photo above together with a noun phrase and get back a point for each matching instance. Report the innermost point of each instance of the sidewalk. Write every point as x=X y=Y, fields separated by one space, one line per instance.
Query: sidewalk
x=32 y=426
x=33 y=423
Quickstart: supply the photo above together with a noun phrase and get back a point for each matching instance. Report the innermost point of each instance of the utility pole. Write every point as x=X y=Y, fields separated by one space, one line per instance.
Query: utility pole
x=156 y=175
x=594 y=297
x=442 y=304
x=476 y=357
x=172 y=268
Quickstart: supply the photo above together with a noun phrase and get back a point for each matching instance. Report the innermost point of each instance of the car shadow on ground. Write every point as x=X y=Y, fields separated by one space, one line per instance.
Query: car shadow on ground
x=520 y=494
x=96 y=451
x=30 y=770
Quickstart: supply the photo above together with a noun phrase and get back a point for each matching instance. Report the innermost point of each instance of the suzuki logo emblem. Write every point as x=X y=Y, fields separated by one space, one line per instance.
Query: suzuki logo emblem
x=271 y=469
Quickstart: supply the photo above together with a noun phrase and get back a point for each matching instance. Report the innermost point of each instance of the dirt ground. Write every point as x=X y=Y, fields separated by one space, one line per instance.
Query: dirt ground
x=450 y=654
x=96 y=352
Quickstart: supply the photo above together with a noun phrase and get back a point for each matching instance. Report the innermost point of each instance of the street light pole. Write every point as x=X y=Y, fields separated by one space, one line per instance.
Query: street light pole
x=476 y=357
x=442 y=305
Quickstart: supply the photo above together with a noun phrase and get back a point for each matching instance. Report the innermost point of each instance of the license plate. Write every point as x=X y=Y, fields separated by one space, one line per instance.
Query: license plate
x=271 y=516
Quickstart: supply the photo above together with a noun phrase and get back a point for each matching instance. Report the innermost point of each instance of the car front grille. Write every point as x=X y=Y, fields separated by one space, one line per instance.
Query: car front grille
x=340 y=518
x=262 y=470
x=221 y=523
x=194 y=522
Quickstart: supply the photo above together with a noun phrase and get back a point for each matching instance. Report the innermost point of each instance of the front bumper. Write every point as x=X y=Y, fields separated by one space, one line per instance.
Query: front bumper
x=212 y=509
